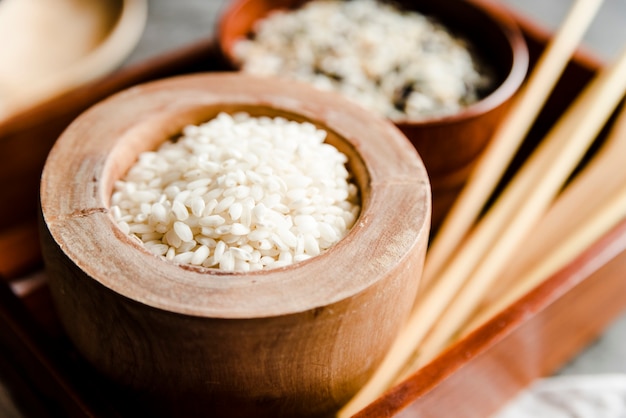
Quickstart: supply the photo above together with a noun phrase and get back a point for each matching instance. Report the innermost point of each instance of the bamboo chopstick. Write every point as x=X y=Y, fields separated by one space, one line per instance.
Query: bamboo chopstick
x=550 y=166
x=488 y=248
x=605 y=218
x=495 y=160
x=593 y=204
x=581 y=122
x=508 y=136
x=573 y=207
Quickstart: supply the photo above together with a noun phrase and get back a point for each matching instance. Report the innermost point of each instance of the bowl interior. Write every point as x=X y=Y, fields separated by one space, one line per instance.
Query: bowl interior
x=151 y=134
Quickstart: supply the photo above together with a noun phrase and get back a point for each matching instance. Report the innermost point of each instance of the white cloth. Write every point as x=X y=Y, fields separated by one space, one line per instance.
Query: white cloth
x=571 y=396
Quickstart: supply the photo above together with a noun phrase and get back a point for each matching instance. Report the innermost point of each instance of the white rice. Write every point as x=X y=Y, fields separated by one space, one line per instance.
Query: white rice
x=239 y=193
x=400 y=64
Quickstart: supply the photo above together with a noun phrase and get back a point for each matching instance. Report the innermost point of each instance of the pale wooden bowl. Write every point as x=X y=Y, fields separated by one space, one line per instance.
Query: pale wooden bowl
x=449 y=145
x=292 y=341
x=50 y=48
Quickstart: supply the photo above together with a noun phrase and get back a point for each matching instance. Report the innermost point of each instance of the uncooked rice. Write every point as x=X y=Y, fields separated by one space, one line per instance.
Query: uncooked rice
x=400 y=64
x=239 y=193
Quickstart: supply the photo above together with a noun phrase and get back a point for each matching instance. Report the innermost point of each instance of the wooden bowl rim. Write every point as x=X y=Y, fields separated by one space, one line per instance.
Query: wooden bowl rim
x=495 y=13
x=264 y=293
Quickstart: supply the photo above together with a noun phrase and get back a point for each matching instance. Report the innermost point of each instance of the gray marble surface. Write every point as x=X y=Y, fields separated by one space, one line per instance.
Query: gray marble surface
x=172 y=24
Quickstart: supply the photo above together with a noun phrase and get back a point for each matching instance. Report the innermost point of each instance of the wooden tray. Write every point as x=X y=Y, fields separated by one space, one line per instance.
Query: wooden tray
x=531 y=338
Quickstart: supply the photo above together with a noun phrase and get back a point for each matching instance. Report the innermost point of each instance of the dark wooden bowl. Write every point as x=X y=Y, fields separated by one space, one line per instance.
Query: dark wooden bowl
x=292 y=341
x=449 y=146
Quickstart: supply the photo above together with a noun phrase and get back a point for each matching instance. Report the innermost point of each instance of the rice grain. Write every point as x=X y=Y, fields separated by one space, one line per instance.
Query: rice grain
x=238 y=193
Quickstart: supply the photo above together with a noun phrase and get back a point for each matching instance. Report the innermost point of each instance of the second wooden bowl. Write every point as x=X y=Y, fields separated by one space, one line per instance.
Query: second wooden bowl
x=292 y=341
x=449 y=145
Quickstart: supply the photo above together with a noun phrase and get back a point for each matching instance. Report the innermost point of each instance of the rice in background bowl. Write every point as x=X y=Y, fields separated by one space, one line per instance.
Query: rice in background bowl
x=449 y=143
x=400 y=63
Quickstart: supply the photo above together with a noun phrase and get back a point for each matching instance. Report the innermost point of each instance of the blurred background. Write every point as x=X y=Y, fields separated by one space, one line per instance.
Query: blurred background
x=173 y=24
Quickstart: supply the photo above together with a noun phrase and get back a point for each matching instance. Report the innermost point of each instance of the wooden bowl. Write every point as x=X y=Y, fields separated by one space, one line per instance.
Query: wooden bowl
x=450 y=145
x=292 y=341
x=43 y=56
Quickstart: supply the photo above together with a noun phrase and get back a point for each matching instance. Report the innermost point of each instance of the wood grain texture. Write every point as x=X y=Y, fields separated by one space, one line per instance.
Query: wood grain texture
x=290 y=341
